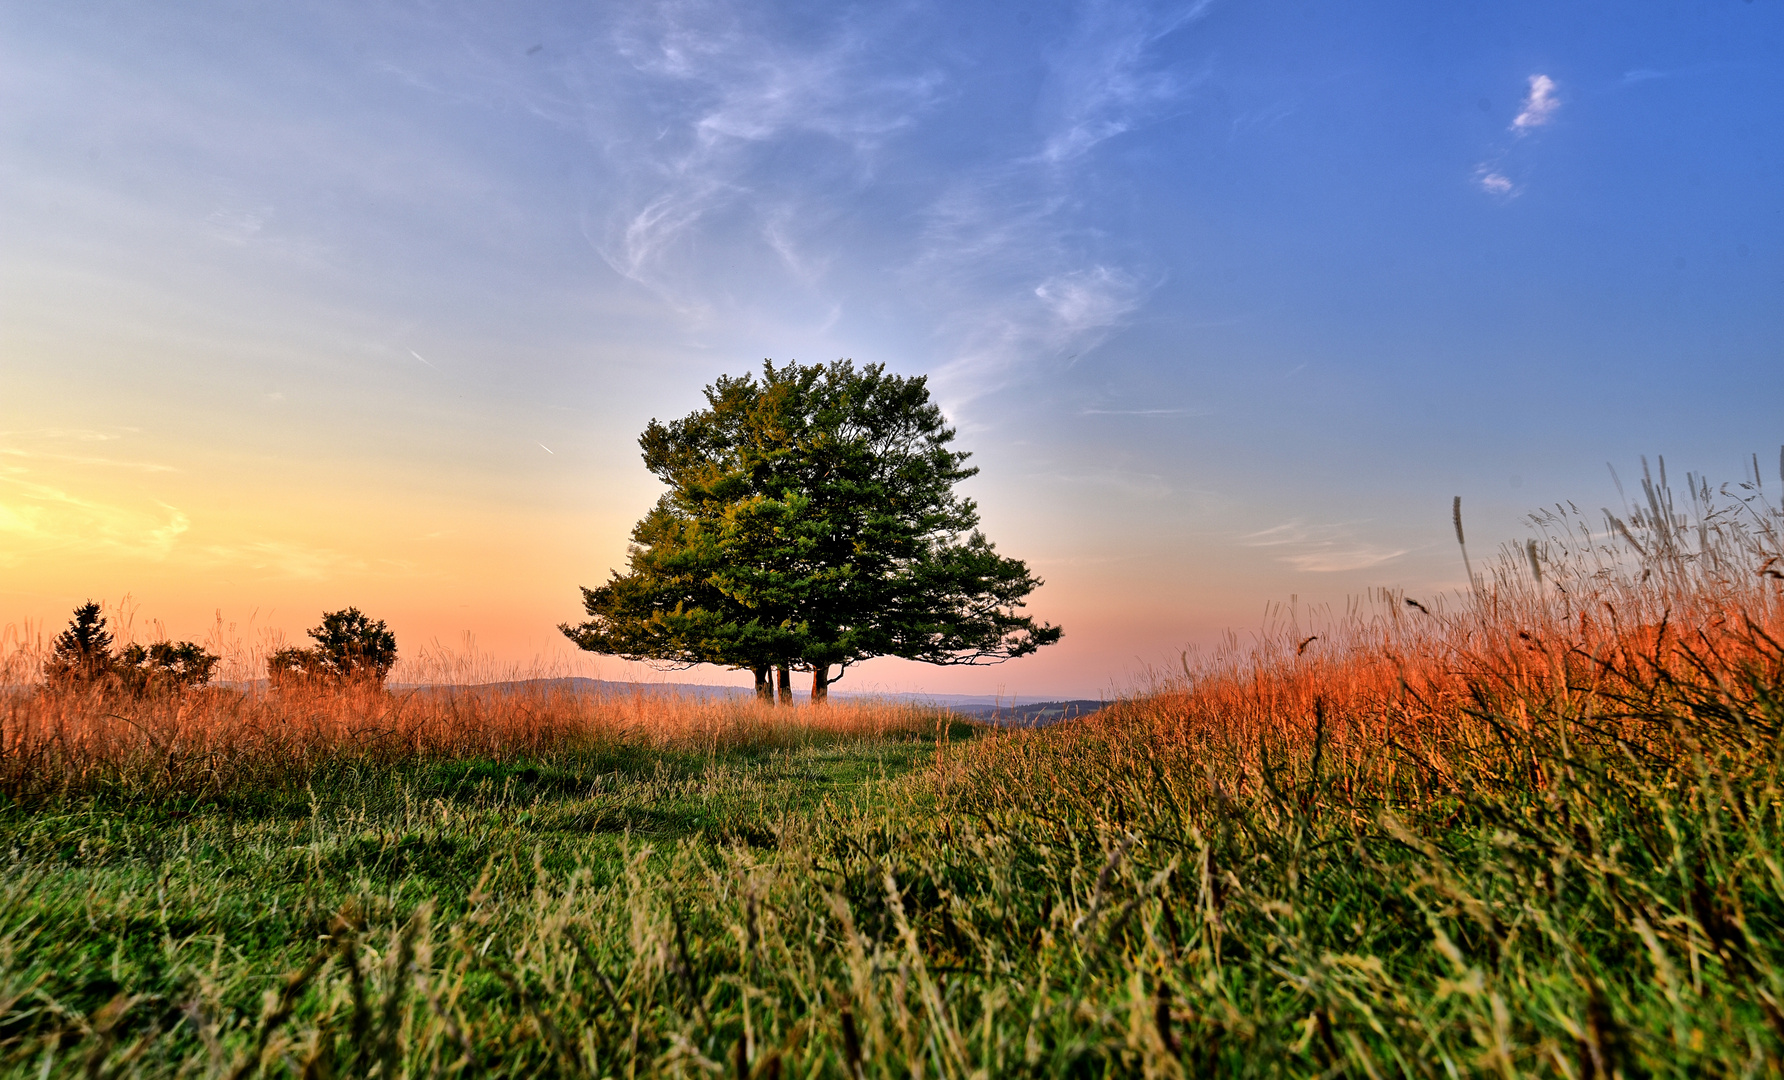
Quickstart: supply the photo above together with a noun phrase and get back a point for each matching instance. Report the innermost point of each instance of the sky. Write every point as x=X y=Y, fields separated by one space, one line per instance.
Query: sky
x=312 y=305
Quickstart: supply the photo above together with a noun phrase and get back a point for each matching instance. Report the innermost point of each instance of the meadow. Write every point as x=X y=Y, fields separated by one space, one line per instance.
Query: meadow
x=1530 y=829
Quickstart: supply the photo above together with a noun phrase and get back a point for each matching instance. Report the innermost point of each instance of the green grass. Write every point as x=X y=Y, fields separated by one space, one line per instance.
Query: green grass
x=104 y=894
x=1536 y=891
x=1573 y=875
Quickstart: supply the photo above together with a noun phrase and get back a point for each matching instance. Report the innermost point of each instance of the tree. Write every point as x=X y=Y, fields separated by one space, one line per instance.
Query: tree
x=81 y=654
x=164 y=666
x=668 y=609
x=811 y=521
x=350 y=648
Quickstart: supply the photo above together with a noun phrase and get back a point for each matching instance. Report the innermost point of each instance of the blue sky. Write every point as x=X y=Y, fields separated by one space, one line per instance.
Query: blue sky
x=367 y=303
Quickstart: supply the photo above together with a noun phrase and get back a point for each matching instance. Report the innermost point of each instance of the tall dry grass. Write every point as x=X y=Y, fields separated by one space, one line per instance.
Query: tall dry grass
x=211 y=740
x=1589 y=610
x=1530 y=831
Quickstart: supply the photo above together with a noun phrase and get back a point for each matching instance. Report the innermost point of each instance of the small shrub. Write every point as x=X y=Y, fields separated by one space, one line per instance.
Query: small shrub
x=163 y=666
x=350 y=648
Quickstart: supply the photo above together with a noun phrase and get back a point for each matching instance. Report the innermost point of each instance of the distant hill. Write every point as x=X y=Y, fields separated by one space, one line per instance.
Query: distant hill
x=967 y=704
x=608 y=688
x=1003 y=710
x=1037 y=714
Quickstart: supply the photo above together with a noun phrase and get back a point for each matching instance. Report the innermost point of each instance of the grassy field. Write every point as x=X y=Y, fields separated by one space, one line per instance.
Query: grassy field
x=1536 y=831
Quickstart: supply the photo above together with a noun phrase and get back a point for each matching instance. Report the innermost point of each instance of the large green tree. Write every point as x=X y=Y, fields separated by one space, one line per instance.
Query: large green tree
x=811 y=522
x=668 y=609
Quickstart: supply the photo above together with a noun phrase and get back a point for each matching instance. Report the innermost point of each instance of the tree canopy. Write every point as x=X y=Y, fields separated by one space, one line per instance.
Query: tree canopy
x=82 y=655
x=811 y=522
x=350 y=648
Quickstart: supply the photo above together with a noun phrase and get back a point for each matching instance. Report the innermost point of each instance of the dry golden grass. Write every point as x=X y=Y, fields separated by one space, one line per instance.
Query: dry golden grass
x=1578 y=623
x=218 y=738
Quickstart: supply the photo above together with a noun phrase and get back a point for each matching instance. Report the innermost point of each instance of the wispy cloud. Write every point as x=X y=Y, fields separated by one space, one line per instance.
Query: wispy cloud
x=720 y=95
x=1071 y=312
x=82 y=459
x=293 y=560
x=72 y=434
x=1132 y=483
x=44 y=511
x=747 y=159
x=1494 y=176
x=1635 y=76
x=1143 y=412
x=1495 y=183
x=1106 y=81
x=29 y=446
x=1016 y=235
x=1321 y=549
x=37 y=518
x=1539 y=105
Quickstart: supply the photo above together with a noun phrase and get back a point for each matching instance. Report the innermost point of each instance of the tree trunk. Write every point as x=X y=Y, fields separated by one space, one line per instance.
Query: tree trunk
x=820 y=684
x=786 y=683
x=764 y=685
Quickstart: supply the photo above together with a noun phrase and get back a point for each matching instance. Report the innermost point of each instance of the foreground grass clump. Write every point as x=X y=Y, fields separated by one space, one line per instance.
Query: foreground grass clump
x=1538 y=836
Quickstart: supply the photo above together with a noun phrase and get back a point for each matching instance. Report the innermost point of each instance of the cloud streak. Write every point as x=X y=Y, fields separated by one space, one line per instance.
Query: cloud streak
x=716 y=102
x=1321 y=549
x=1539 y=105
x=1142 y=412
x=1538 y=109
x=1018 y=236
x=749 y=164
x=79 y=459
x=38 y=518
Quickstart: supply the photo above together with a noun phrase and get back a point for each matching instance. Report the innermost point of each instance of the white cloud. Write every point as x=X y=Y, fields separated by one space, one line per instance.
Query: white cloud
x=1492 y=176
x=1104 y=78
x=1321 y=549
x=1539 y=105
x=1494 y=183
x=719 y=96
x=1011 y=239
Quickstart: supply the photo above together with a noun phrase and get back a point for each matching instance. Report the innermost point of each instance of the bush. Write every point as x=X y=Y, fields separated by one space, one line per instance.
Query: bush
x=163 y=666
x=82 y=656
x=350 y=648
